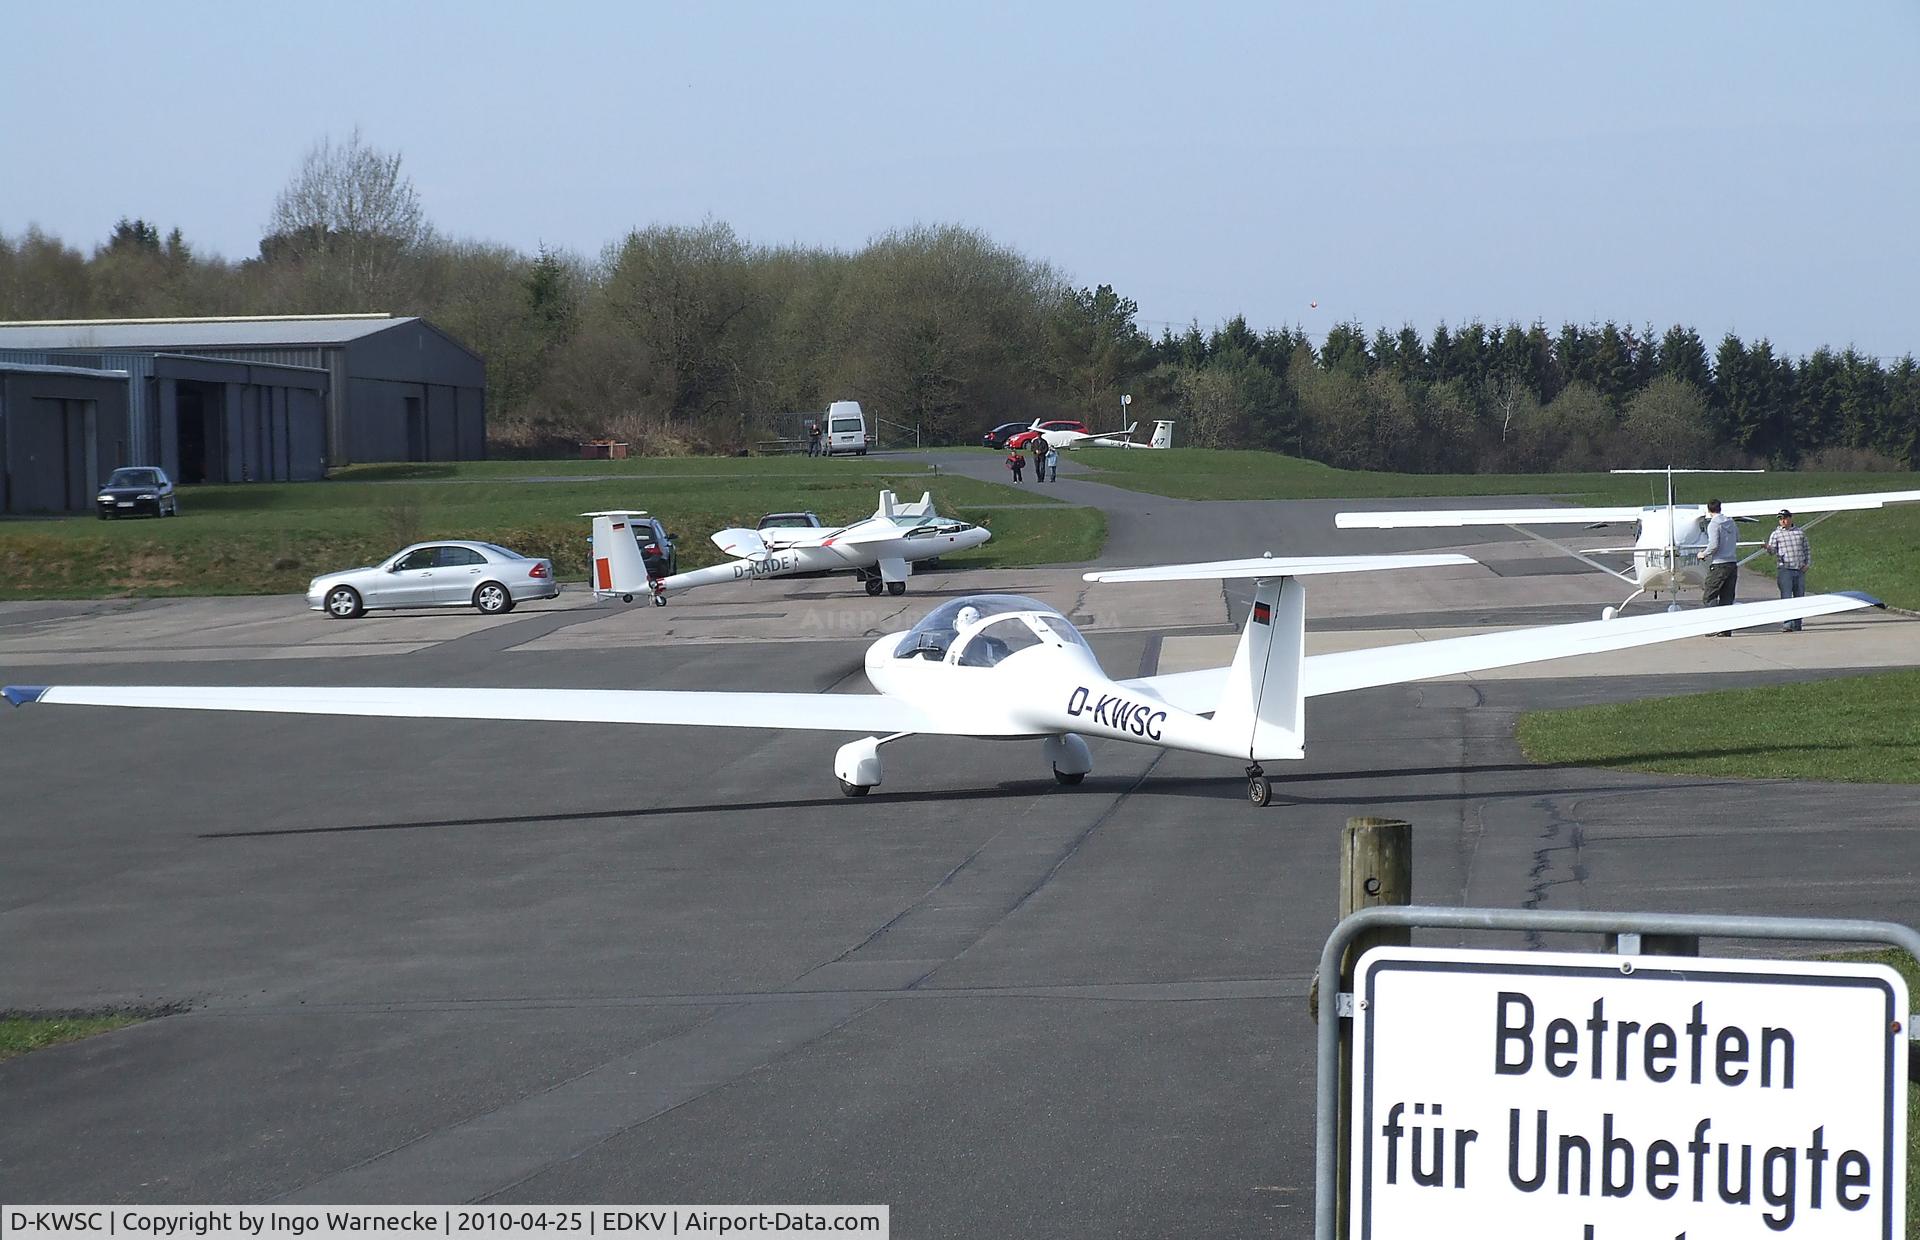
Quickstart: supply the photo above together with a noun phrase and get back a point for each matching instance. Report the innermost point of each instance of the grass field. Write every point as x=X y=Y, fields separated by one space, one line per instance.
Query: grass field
x=1861 y=729
x=1197 y=473
x=20 y=1034
x=271 y=538
x=1872 y=551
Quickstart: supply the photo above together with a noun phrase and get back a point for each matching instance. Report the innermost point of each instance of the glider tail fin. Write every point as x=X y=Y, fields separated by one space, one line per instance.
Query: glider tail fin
x=1262 y=710
x=617 y=567
x=1162 y=435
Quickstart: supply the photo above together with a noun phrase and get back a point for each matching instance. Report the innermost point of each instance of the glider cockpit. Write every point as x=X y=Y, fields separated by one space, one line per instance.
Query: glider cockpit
x=982 y=630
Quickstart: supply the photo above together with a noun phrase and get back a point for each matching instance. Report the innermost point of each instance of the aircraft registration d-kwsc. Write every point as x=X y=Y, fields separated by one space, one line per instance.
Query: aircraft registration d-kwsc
x=1000 y=666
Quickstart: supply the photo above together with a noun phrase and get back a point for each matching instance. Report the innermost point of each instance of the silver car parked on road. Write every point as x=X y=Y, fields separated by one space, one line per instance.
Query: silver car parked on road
x=436 y=574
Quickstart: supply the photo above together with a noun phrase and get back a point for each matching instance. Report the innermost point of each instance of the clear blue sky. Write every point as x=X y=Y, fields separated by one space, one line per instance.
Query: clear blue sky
x=1748 y=165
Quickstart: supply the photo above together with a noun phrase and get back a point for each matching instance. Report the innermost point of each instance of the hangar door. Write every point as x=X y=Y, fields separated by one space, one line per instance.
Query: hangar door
x=432 y=422
x=47 y=455
x=281 y=434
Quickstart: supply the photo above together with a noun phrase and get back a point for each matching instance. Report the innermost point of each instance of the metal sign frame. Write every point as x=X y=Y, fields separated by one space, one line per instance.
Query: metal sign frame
x=1630 y=926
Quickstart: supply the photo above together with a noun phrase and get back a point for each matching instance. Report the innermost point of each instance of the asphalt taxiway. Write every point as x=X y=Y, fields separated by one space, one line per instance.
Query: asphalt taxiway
x=433 y=961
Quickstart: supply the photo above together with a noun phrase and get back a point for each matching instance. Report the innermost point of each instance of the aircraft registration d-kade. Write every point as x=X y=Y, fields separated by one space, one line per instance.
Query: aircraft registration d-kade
x=1000 y=666
x=880 y=551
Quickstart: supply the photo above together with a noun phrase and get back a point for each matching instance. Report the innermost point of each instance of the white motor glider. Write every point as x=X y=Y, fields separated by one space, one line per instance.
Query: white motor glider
x=1067 y=441
x=1670 y=536
x=1000 y=666
x=880 y=551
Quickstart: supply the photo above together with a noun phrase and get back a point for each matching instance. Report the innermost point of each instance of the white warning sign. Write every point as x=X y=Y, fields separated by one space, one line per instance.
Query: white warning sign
x=1573 y=1096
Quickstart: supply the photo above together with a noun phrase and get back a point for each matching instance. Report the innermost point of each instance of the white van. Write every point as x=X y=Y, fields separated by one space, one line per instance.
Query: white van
x=846 y=428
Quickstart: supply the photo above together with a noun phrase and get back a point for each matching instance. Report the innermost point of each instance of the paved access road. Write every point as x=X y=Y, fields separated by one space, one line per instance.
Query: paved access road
x=430 y=961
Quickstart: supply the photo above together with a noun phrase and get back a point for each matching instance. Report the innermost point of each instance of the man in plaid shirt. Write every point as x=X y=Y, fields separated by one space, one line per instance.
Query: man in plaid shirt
x=1788 y=544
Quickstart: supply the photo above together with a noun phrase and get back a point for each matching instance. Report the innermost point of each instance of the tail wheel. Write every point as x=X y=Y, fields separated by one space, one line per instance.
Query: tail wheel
x=492 y=599
x=854 y=790
x=896 y=588
x=875 y=585
x=1068 y=778
x=659 y=600
x=343 y=603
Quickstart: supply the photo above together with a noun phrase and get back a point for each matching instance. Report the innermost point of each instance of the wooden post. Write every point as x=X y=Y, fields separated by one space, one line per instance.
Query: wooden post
x=1376 y=867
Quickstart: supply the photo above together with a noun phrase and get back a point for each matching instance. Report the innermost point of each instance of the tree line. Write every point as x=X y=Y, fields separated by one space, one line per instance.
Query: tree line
x=689 y=338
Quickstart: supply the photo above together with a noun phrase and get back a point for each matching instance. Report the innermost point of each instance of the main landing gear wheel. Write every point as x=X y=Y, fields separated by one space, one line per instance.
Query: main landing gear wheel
x=875 y=585
x=896 y=588
x=1259 y=788
x=1068 y=778
x=854 y=790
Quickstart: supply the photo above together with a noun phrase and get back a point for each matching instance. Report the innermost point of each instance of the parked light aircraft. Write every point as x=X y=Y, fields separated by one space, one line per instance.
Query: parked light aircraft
x=879 y=550
x=999 y=666
x=1666 y=550
x=1070 y=440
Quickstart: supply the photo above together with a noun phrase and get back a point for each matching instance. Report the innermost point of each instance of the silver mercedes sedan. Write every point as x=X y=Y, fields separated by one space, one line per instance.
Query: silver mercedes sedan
x=436 y=574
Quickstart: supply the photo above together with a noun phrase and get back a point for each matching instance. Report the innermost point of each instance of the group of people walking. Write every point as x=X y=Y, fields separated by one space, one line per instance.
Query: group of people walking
x=1046 y=462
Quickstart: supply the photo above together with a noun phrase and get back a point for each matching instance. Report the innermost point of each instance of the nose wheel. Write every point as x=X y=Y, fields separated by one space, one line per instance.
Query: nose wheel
x=1259 y=788
x=875 y=586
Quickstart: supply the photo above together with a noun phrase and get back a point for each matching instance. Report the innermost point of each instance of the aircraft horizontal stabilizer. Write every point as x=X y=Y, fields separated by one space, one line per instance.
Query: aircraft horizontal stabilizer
x=1277 y=566
x=817 y=712
x=741 y=544
x=1448 y=518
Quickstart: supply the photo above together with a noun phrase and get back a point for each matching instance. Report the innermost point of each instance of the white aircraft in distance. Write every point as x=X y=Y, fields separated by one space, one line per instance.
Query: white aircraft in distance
x=879 y=550
x=1666 y=550
x=1068 y=441
x=1162 y=437
x=1003 y=667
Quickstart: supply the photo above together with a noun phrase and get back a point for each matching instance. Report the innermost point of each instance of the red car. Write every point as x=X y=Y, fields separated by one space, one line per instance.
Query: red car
x=1026 y=437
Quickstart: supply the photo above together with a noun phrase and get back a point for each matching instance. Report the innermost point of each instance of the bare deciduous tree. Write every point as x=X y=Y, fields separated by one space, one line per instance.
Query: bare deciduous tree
x=353 y=211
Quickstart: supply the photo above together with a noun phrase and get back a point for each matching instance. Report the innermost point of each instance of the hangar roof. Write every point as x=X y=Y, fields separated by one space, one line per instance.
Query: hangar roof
x=110 y=335
x=85 y=372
